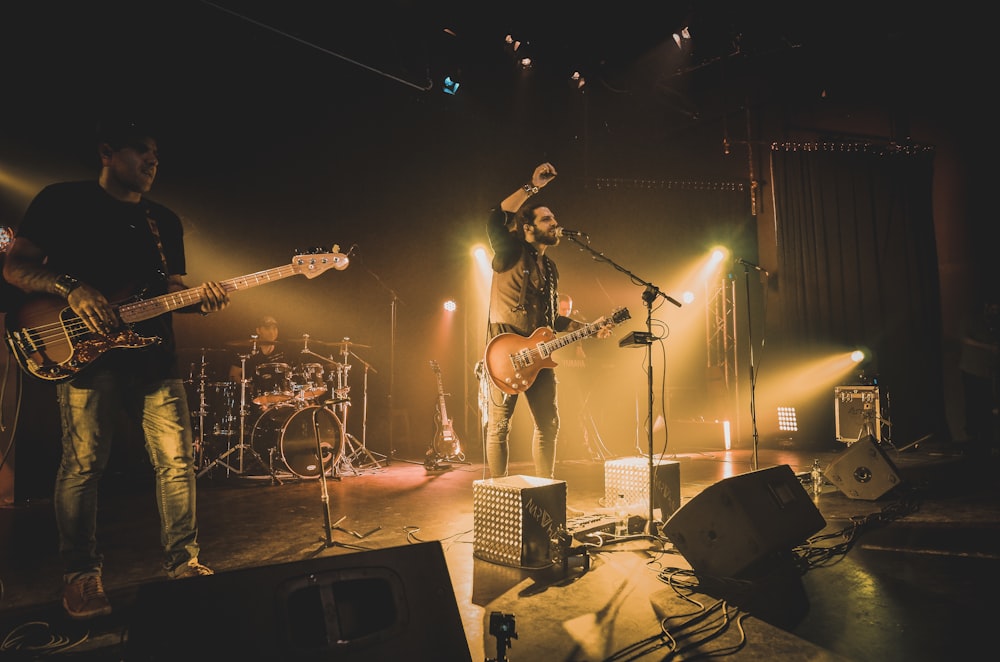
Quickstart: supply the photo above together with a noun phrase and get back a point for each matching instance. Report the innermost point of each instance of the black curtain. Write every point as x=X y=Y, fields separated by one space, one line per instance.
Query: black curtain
x=858 y=267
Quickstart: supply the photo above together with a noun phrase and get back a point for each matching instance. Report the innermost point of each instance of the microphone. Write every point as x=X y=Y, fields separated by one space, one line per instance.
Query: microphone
x=745 y=263
x=563 y=232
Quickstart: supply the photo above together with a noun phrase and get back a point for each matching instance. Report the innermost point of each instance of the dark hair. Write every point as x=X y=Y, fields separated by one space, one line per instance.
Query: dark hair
x=120 y=132
x=525 y=214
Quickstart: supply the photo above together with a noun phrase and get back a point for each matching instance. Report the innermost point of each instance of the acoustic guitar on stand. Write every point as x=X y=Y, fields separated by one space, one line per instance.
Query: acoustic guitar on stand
x=513 y=361
x=51 y=342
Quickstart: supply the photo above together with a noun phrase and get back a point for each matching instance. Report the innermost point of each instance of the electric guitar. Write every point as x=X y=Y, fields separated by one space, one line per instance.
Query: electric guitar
x=513 y=361
x=446 y=442
x=51 y=342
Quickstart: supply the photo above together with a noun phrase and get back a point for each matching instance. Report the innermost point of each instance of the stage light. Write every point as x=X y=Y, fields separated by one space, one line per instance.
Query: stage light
x=787 y=420
x=511 y=46
x=682 y=38
x=450 y=86
x=450 y=305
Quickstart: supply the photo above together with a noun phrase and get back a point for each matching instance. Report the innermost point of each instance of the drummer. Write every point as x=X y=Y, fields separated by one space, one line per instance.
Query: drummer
x=262 y=348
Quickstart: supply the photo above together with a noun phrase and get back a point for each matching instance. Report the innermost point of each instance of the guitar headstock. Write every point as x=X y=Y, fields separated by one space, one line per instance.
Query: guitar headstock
x=312 y=263
x=620 y=315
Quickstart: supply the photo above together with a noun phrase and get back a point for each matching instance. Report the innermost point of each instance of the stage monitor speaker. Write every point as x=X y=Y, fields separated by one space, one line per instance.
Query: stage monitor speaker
x=863 y=471
x=386 y=604
x=737 y=524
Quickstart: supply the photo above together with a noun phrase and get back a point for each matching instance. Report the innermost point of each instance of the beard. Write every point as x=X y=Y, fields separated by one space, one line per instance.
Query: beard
x=548 y=238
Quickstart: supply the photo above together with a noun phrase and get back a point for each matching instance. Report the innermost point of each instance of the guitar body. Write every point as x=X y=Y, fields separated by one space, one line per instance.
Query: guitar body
x=511 y=366
x=513 y=361
x=51 y=342
x=446 y=442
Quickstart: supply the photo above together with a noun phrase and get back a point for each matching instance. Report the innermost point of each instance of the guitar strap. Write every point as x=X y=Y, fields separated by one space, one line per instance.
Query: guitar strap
x=159 y=243
x=553 y=305
x=524 y=291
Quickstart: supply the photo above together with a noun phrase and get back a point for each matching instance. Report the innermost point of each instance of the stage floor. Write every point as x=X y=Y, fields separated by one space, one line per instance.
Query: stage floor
x=904 y=575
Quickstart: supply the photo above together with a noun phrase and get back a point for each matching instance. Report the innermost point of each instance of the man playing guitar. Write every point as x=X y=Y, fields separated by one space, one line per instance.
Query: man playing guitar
x=524 y=297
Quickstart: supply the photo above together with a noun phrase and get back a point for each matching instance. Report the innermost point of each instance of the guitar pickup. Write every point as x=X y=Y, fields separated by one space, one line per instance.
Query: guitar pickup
x=636 y=339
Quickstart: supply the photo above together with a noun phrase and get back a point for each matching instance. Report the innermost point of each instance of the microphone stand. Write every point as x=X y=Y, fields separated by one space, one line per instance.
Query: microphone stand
x=753 y=372
x=392 y=359
x=649 y=296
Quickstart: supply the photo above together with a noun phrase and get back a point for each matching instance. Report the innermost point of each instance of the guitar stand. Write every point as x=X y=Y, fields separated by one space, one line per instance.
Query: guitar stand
x=433 y=461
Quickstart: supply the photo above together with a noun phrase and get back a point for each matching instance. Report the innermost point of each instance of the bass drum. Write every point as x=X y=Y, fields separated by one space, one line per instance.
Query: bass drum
x=290 y=433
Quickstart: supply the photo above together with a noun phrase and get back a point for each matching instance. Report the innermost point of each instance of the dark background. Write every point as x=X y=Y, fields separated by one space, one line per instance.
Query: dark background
x=295 y=125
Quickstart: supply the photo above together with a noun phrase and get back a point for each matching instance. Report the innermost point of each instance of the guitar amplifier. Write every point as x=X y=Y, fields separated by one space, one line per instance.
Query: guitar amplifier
x=515 y=519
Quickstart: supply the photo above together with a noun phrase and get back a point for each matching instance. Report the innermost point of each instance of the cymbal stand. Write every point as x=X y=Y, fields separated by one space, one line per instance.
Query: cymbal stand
x=242 y=446
x=364 y=411
x=199 y=450
x=353 y=449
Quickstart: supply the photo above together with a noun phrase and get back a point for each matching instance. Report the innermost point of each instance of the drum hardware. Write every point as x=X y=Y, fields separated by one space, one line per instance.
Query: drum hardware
x=356 y=456
x=242 y=447
x=198 y=375
x=199 y=442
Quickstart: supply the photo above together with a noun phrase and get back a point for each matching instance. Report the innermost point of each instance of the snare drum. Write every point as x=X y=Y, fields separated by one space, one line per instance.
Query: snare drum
x=308 y=383
x=273 y=384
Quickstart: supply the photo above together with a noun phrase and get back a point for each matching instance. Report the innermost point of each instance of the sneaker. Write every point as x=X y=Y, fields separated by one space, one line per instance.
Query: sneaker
x=191 y=569
x=84 y=598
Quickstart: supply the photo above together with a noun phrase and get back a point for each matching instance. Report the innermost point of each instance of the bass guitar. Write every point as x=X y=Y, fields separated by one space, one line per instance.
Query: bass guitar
x=51 y=342
x=446 y=443
x=513 y=361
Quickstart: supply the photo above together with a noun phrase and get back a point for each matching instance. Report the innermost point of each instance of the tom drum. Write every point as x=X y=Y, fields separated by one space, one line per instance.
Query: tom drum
x=273 y=384
x=308 y=381
x=291 y=433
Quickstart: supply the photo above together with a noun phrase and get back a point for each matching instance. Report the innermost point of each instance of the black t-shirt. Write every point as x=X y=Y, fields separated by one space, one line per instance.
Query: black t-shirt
x=109 y=245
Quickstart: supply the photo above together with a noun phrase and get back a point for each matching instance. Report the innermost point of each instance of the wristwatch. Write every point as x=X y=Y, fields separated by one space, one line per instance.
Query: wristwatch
x=66 y=284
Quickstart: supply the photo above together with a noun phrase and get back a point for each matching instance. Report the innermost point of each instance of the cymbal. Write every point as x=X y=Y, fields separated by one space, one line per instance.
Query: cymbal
x=347 y=344
x=327 y=343
x=248 y=342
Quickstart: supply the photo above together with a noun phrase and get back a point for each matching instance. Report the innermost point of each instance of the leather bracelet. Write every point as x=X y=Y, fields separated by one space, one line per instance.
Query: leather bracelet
x=66 y=284
x=529 y=189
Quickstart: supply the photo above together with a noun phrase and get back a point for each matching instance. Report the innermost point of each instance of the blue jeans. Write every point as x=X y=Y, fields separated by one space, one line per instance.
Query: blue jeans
x=89 y=416
x=541 y=398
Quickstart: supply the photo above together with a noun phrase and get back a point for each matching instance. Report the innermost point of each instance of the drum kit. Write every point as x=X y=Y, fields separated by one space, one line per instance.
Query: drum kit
x=281 y=418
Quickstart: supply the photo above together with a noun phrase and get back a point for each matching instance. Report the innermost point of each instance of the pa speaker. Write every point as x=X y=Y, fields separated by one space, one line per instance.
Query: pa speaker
x=737 y=524
x=863 y=471
x=388 y=604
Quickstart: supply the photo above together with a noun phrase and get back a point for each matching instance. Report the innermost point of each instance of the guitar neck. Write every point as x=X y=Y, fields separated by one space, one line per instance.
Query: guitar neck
x=573 y=336
x=149 y=308
x=441 y=405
